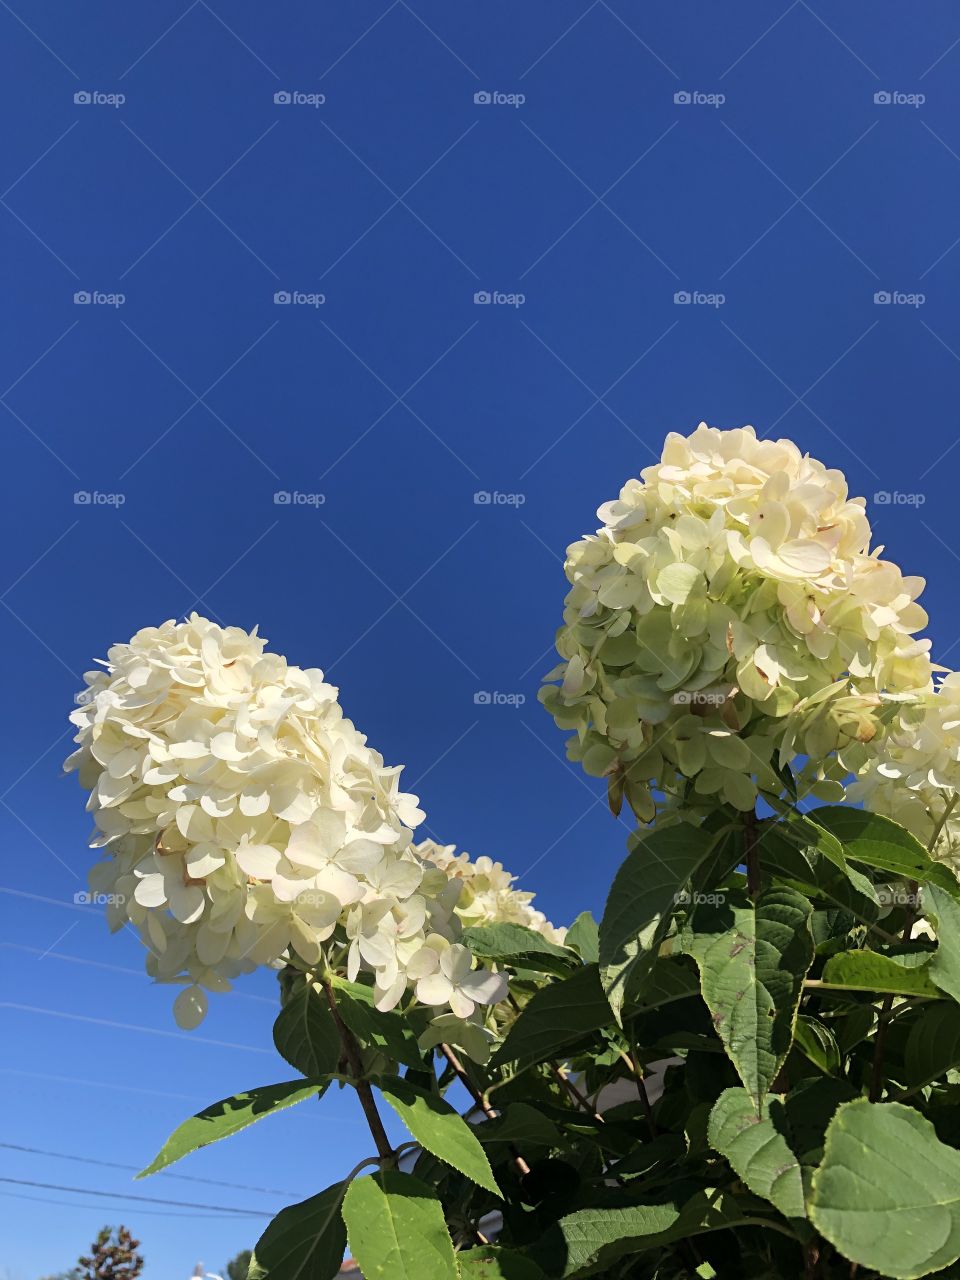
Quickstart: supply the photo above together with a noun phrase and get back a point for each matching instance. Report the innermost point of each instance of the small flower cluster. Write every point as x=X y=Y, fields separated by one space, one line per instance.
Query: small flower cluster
x=488 y=895
x=915 y=776
x=728 y=617
x=246 y=822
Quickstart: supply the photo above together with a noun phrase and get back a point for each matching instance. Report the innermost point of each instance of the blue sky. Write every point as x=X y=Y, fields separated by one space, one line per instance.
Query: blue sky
x=775 y=192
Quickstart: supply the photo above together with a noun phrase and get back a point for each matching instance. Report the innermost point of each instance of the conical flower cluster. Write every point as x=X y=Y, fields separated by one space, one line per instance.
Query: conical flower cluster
x=728 y=617
x=246 y=822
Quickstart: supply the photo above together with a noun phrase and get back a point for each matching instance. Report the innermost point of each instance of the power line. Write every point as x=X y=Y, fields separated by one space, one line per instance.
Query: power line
x=101 y=1084
x=123 y=1195
x=132 y=1168
x=153 y=1213
x=129 y=1026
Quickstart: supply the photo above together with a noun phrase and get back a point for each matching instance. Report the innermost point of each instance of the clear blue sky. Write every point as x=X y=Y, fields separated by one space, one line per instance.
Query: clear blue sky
x=398 y=398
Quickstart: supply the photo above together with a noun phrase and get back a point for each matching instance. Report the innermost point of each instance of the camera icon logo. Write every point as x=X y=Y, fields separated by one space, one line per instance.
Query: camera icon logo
x=482 y=498
x=882 y=98
x=882 y=298
x=82 y=298
x=82 y=498
x=282 y=498
x=82 y=98
x=682 y=298
x=882 y=497
x=483 y=98
x=481 y=698
x=82 y=898
x=682 y=97
x=282 y=298
x=282 y=98
x=482 y=298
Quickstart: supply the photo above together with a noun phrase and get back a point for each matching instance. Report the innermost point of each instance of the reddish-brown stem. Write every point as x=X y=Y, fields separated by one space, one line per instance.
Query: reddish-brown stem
x=351 y=1051
x=460 y=1072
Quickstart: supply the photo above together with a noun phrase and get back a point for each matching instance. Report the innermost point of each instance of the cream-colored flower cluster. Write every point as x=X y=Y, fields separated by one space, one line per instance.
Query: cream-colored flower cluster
x=728 y=617
x=488 y=895
x=246 y=822
x=915 y=776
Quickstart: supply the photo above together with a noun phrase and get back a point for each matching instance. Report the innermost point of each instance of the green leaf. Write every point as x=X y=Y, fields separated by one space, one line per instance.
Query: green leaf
x=588 y=1241
x=641 y=903
x=752 y=978
x=933 y=1045
x=221 y=1119
x=520 y=1125
x=306 y=1034
x=882 y=843
x=515 y=945
x=672 y=978
x=396 y=1230
x=904 y=975
x=944 y=966
x=817 y=1043
x=557 y=1015
x=584 y=937
x=757 y=1150
x=489 y=1263
x=305 y=1241
x=390 y=1033
x=887 y=1194
x=812 y=861
x=440 y=1130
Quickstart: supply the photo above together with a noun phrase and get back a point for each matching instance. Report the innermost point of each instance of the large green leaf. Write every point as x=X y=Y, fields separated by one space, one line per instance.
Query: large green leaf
x=521 y=1126
x=887 y=1193
x=390 y=1033
x=440 y=1130
x=757 y=1149
x=557 y=1015
x=811 y=860
x=752 y=978
x=590 y=1240
x=904 y=975
x=306 y=1034
x=490 y=1263
x=584 y=936
x=944 y=966
x=221 y=1119
x=514 y=944
x=641 y=902
x=305 y=1241
x=396 y=1230
x=882 y=843
x=933 y=1045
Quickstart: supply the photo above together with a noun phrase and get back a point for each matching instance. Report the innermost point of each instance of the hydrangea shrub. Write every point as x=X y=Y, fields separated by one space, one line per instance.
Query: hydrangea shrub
x=748 y=1070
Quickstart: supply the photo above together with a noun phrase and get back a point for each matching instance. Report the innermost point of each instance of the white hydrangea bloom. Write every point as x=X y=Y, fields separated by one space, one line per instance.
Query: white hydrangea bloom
x=245 y=821
x=729 y=616
x=488 y=895
x=915 y=776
